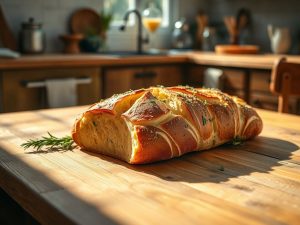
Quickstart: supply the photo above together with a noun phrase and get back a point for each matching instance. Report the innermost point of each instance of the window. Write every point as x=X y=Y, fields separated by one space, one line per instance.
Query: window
x=126 y=40
x=119 y=7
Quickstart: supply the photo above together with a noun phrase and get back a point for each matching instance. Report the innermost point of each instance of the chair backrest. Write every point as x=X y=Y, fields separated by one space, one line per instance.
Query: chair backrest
x=285 y=81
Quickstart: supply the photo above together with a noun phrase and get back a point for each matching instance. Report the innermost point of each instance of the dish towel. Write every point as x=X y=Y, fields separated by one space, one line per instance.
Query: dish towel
x=61 y=92
x=213 y=78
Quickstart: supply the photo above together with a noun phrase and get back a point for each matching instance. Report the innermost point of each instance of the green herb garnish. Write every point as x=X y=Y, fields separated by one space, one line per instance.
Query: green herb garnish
x=237 y=141
x=221 y=168
x=204 y=120
x=50 y=143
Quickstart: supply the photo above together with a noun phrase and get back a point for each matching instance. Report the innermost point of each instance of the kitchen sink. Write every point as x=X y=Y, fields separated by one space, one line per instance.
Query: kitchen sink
x=134 y=53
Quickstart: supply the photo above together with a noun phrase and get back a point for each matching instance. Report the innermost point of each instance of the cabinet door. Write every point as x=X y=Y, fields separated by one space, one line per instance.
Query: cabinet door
x=167 y=76
x=17 y=97
x=118 y=80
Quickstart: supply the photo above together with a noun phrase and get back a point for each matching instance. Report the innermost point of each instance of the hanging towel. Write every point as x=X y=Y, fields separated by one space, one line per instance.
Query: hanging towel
x=213 y=78
x=61 y=92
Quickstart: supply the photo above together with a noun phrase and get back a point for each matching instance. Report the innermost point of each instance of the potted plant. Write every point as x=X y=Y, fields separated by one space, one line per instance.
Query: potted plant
x=95 y=37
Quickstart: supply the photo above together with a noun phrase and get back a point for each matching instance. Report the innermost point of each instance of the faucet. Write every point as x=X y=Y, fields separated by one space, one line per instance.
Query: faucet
x=140 y=39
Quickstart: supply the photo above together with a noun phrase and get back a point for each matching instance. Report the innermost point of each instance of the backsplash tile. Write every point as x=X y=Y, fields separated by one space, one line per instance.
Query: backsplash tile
x=54 y=15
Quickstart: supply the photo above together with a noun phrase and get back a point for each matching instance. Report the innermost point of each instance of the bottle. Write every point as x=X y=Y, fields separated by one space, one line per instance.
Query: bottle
x=181 y=38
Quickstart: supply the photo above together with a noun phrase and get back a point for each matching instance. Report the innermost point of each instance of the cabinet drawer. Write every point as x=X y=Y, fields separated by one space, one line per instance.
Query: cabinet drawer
x=260 y=81
x=234 y=80
x=118 y=80
x=17 y=97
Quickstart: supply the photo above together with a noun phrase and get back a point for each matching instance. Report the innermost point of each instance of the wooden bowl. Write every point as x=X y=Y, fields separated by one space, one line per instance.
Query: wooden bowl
x=85 y=20
x=236 y=49
x=71 y=43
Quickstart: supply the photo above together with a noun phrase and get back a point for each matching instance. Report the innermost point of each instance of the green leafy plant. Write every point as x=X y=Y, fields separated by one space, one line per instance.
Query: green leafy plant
x=106 y=18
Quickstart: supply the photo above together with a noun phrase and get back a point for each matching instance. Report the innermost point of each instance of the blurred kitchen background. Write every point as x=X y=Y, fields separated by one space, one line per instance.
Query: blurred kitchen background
x=55 y=14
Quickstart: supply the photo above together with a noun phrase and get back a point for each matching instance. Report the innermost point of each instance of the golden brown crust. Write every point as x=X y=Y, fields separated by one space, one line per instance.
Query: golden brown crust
x=152 y=145
x=146 y=108
x=168 y=122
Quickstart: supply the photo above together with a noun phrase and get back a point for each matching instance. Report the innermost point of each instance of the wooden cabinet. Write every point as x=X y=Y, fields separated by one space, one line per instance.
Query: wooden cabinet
x=193 y=75
x=121 y=79
x=15 y=96
x=260 y=95
x=259 y=91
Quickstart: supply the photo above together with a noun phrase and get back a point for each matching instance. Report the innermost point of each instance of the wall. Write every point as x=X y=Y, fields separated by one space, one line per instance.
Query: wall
x=278 y=12
x=54 y=15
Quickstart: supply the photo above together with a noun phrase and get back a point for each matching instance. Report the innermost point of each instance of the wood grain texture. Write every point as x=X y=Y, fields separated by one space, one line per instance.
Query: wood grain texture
x=285 y=81
x=257 y=182
x=119 y=80
x=17 y=97
x=81 y=60
x=261 y=61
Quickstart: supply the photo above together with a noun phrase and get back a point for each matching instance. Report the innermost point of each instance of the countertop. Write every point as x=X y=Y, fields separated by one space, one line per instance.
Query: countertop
x=259 y=61
x=257 y=182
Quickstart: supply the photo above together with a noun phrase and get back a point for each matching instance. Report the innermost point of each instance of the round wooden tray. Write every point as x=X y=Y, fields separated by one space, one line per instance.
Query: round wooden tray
x=236 y=49
x=84 y=21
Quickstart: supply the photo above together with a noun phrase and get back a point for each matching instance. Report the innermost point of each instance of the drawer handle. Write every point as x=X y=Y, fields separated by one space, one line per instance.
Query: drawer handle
x=41 y=83
x=149 y=74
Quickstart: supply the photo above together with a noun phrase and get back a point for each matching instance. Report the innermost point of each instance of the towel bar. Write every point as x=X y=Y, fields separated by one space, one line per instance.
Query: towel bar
x=38 y=84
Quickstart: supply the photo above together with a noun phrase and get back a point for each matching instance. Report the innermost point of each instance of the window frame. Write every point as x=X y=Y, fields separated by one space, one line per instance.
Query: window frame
x=136 y=4
x=126 y=40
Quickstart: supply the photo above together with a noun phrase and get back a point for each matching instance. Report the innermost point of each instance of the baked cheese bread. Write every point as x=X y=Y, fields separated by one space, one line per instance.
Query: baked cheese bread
x=159 y=123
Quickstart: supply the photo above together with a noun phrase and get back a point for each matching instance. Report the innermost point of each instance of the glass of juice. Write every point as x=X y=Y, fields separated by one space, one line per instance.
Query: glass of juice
x=152 y=18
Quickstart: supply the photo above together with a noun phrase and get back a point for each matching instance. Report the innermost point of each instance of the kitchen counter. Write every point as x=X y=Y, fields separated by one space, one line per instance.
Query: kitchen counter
x=257 y=182
x=86 y=60
x=260 y=61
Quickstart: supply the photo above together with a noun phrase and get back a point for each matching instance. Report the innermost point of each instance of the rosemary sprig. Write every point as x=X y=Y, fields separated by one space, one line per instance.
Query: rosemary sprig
x=237 y=141
x=50 y=143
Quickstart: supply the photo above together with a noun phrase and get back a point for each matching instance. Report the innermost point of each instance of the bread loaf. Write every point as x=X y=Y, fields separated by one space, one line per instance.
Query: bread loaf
x=160 y=123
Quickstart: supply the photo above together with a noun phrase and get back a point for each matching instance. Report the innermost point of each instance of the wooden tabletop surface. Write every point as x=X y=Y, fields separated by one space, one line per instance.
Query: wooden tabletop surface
x=255 y=61
x=257 y=182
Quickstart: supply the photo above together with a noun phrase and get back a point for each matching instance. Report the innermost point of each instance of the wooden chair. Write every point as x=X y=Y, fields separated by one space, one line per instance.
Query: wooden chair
x=285 y=81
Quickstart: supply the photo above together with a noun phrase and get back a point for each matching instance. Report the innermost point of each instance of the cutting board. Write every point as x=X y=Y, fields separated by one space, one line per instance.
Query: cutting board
x=236 y=49
x=257 y=182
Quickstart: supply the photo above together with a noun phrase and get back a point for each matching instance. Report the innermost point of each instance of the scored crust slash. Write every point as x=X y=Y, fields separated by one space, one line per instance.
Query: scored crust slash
x=159 y=123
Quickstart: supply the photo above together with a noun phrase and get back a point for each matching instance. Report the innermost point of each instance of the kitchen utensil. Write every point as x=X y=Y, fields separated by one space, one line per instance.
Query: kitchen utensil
x=237 y=49
x=209 y=39
x=201 y=23
x=7 y=53
x=85 y=21
x=6 y=36
x=32 y=37
x=72 y=43
x=231 y=25
x=181 y=38
x=243 y=26
x=280 y=39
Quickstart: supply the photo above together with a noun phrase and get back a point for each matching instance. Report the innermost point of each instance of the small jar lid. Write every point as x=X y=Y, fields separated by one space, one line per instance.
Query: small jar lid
x=31 y=24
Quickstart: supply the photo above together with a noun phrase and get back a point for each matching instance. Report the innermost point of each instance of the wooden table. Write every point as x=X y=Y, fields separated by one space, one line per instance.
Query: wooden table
x=257 y=182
